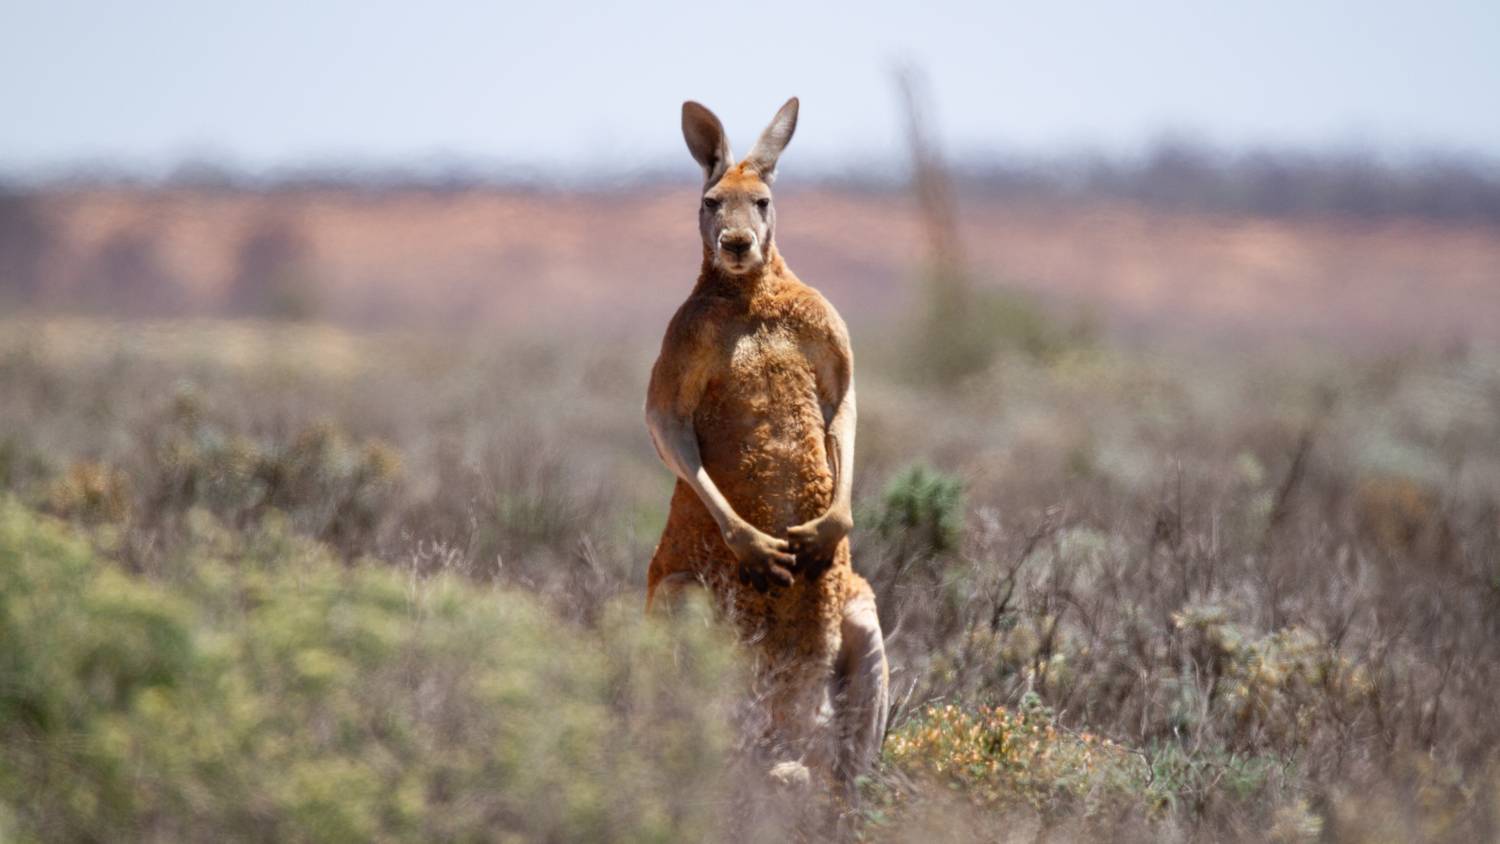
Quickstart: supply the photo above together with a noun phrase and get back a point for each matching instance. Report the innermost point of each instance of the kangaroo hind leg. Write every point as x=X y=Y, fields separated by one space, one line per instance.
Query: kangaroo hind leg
x=667 y=595
x=863 y=687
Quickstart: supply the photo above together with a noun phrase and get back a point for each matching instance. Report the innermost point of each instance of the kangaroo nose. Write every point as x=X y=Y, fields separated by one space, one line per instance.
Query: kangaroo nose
x=738 y=244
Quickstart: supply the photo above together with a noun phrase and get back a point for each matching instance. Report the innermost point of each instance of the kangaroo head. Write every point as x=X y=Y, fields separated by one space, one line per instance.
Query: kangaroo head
x=736 y=217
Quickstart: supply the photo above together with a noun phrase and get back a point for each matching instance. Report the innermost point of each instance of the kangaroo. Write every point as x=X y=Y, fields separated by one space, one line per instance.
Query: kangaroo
x=751 y=405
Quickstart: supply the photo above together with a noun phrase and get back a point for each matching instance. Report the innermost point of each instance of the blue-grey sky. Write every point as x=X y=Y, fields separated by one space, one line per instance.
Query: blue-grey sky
x=571 y=85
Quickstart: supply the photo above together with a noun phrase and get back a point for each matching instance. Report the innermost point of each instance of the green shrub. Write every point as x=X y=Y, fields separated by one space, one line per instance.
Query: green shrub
x=922 y=510
x=273 y=694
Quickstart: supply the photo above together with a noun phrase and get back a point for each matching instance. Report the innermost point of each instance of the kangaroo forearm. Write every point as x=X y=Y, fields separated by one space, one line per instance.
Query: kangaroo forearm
x=718 y=506
x=841 y=451
x=677 y=444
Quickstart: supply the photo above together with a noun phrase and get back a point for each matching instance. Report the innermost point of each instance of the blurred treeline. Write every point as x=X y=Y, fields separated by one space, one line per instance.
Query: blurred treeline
x=1175 y=173
x=1191 y=177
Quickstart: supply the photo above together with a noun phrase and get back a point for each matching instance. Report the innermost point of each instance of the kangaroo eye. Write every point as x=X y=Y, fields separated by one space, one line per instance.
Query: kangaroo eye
x=763 y=203
x=710 y=203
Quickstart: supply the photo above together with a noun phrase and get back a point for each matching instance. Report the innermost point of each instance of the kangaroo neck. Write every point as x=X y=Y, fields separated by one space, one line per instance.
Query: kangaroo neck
x=713 y=280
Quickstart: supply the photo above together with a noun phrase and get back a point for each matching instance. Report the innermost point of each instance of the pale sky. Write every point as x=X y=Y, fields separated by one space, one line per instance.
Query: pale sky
x=568 y=85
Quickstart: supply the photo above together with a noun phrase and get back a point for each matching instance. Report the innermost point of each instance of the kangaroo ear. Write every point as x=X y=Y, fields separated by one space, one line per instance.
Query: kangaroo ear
x=768 y=149
x=706 y=140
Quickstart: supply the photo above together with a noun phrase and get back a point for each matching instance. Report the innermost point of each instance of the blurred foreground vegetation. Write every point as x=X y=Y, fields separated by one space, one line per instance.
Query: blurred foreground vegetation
x=278 y=583
x=265 y=691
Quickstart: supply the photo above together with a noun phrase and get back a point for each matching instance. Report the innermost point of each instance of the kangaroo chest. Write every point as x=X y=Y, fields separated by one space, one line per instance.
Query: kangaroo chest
x=765 y=373
x=761 y=428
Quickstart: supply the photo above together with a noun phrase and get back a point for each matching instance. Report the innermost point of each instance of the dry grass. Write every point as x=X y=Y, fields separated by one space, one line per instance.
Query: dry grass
x=1272 y=586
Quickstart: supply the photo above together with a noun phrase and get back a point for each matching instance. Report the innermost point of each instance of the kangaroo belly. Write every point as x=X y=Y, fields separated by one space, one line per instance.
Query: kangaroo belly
x=762 y=435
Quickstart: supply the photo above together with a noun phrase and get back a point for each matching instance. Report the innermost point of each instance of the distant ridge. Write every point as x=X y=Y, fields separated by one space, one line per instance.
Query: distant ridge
x=510 y=258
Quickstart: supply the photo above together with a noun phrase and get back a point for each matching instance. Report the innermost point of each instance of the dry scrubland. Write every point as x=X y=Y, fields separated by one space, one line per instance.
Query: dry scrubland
x=289 y=582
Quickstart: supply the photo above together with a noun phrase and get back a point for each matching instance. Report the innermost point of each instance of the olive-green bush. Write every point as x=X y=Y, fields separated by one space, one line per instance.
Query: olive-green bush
x=921 y=511
x=268 y=692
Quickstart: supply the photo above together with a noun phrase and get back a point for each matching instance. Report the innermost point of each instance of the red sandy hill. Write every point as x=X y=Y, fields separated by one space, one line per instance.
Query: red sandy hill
x=525 y=258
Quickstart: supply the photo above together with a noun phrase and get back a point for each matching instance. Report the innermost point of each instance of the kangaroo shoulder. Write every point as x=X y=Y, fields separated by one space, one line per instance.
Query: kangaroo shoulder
x=695 y=326
x=688 y=355
x=819 y=322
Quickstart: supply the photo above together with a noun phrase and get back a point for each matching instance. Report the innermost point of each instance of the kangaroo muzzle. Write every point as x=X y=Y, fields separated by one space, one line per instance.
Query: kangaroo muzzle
x=737 y=244
x=739 y=248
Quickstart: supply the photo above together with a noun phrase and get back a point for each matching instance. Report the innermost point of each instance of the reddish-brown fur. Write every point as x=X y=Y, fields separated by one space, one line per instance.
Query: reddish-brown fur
x=762 y=356
x=752 y=406
x=757 y=347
